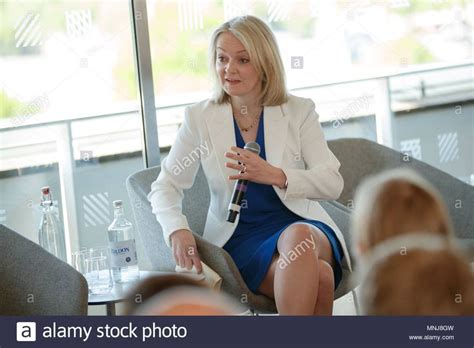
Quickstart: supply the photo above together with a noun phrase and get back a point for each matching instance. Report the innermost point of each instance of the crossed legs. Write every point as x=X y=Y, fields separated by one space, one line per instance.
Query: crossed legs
x=300 y=277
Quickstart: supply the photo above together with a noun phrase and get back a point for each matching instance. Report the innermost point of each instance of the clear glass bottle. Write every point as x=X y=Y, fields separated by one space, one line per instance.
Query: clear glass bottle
x=123 y=250
x=51 y=234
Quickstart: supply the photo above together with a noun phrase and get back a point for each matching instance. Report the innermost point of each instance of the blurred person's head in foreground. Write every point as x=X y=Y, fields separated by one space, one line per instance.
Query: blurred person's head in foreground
x=394 y=203
x=416 y=274
x=178 y=295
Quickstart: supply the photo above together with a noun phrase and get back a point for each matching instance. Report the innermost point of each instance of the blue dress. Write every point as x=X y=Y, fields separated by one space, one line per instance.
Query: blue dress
x=263 y=217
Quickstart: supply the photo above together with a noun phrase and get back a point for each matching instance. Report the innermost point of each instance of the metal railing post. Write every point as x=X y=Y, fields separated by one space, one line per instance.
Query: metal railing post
x=66 y=166
x=383 y=112
x=141 y=42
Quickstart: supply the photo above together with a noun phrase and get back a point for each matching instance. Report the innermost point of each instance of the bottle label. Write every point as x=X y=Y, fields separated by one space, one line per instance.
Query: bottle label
x=123 y=253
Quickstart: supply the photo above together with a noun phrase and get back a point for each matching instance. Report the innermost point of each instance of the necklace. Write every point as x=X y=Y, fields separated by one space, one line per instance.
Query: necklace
x=254 y=122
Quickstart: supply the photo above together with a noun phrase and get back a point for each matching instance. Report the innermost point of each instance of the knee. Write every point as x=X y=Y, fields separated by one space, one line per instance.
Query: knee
x=299 y=238
x=326 y=274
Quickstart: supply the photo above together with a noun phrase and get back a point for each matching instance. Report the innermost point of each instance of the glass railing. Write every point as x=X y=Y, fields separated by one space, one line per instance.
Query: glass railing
x=426 y=113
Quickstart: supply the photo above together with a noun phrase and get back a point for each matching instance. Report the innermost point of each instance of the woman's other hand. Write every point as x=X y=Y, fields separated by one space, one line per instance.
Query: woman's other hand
x=185 y=251
x=254 y=168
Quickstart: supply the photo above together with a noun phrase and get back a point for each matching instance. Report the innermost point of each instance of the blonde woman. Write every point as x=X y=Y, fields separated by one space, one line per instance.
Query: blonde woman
x=284 y=244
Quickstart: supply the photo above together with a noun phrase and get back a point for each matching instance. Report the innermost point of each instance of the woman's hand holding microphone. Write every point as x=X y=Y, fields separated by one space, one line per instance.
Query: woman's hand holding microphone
x=254 y=168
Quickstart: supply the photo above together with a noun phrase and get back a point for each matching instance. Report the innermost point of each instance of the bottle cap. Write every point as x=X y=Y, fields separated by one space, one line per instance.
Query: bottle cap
x=117 y=204
x=45 y=190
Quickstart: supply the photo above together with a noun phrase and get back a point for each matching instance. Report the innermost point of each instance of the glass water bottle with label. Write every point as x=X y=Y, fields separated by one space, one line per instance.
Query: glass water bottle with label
x=123 y=251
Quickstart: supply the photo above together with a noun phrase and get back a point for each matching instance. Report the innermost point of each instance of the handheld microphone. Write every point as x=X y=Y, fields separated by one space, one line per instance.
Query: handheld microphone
x=240 y=187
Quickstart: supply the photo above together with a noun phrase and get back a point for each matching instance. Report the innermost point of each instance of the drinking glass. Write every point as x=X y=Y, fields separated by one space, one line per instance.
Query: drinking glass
x=78 y=260
x=97 y=270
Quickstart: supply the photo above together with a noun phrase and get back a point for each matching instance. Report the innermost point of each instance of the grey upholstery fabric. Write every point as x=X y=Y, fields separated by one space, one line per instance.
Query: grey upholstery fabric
x=34 y=282
x=360 y=158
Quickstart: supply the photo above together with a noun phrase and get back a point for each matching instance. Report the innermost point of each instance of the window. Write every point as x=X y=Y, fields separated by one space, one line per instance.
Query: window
x=69 y=104
x=69 y=114
x=325 y=44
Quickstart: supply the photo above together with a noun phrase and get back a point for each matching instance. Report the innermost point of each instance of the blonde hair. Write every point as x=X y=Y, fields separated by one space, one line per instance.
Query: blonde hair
x=177 y=294
x=416 y=275
x=261 y=45
x=394 y=203
x=190 y=301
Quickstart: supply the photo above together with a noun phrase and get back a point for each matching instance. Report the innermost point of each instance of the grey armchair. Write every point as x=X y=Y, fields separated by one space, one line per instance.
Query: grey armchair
x=358 y=157
x=34 y=282
x=195 y=205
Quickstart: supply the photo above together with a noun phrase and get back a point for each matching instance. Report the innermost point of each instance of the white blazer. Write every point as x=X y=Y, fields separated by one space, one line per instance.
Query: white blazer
x=294 y=142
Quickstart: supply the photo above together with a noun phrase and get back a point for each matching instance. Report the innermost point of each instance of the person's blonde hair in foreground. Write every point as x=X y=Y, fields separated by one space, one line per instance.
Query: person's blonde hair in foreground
x=178 y=295
x=185 y=300
x=416 y=274
x=395 y=203
x=404 y=239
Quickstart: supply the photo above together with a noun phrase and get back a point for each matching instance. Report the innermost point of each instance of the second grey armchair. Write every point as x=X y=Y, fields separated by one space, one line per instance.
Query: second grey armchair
x=34 y=282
